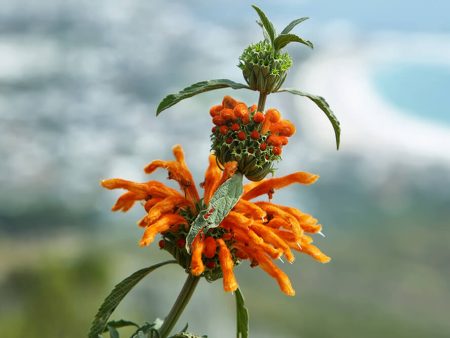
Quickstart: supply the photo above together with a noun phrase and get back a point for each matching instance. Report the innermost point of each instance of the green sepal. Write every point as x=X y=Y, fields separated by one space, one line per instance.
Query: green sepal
x=220 y=205
x=291 y=26
x=113 y=325
x=115 y=297
x=324 y=106
x=284 y=39
x=149 y=330
x=267 y=25
x=241 y=316
x=195 y=89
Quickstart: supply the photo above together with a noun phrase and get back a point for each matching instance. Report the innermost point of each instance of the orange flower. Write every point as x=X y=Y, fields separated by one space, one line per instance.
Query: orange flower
x=258 y=231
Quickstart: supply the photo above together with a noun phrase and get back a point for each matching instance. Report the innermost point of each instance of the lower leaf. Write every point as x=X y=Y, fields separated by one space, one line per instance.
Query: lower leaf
x=242 y=316
x=115 y=297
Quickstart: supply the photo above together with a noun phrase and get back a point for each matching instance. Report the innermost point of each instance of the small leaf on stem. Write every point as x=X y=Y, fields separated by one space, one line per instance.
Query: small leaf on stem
x=242 y=316
x=195 y=89
x=267 y=25
x=115 y=297
x=284 y=39
x=293 y=24
x=324 y=106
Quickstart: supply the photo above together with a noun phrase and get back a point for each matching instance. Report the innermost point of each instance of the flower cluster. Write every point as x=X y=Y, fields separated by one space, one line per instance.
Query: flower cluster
x=263 y=67
x=251 y=138
x=260 y=231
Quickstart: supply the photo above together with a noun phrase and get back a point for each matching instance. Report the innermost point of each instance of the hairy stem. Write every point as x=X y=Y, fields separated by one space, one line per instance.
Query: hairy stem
x=262 y=101
x=177 y=308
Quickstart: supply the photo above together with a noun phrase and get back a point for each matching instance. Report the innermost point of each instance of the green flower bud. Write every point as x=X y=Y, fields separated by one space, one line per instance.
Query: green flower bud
x=263 y=67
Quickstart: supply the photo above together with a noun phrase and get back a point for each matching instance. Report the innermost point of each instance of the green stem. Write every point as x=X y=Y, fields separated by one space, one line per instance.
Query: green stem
x=177 y=308
x=262 y=101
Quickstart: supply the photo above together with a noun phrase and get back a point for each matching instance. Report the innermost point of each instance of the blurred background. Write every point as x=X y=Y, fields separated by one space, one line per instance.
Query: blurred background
x=79 y=85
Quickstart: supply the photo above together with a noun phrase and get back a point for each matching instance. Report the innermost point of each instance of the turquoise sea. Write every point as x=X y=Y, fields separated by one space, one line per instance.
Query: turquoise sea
x=422 y=90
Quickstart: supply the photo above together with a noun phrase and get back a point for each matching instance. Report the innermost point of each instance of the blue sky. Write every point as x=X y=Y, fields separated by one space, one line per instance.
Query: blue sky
x=401 y=15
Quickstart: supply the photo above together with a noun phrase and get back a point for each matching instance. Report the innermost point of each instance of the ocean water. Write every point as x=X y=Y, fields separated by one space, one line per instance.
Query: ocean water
x=421 y=90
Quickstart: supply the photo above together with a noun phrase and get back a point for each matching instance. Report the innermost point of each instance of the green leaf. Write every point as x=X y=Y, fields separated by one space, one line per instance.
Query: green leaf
x=149 y=330
x=115 y=297
x=113 y=333
x=221 y=203
x=266 y=24
x=293 y=24
x=119 y=324
x=242 y=315
x=283 y=39
x=324 y=106
x=195 y=89
x=266 y=35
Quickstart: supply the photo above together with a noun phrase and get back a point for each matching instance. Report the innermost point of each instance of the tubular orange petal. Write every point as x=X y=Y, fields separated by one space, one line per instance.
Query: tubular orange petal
x=178 y=171
x=269 y=236
x=140 y=189
x=226 y=264
x=169 y=204
x=197 y=266
x=191 y=190
x=268 y=185
x=259 y=242
x=151 y=202
x=210 y=247
x=162 y=225
x=307 y=222
x=158 y=189
x=212 y=179
x=228 y=171
x=269 y=267
x=315 y=252
x=278 y=222
x=249 y=209
x=126 y=201
x=276 y=211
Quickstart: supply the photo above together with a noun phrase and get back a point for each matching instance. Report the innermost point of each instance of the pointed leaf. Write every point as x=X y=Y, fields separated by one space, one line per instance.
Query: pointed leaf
x=113 y=333
x=266 y=36
x=119 y=324
x=324 y=106
x=266 y=23
x=115 y=297
x=195 y=89
x=220 y=205
x=293 y=24
x=242 y=316
x=283 y=39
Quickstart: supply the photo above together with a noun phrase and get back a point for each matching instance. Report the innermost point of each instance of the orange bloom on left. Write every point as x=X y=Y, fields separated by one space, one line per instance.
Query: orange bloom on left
x=260 y=231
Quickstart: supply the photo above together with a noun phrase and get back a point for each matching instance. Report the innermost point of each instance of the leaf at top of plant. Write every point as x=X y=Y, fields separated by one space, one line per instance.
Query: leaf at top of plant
x=115 y=297
x=241 y=316
x=266 y=35
x=197 y=88
x=324 y=106
x=291 y=25
x=284 y=39
x=266 y=23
